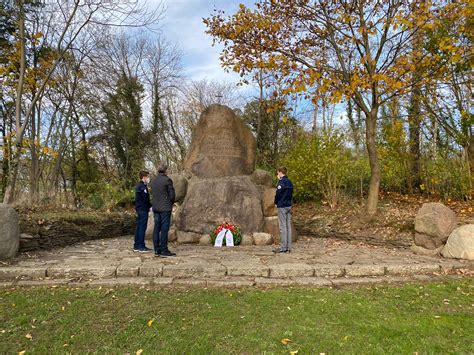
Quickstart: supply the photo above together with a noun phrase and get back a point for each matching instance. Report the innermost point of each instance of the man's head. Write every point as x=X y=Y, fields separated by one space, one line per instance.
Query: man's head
x=281 y=171
x=144 y=176
x=162 y=168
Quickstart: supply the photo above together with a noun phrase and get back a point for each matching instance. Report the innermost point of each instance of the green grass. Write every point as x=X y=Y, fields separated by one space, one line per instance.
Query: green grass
x=424 y=318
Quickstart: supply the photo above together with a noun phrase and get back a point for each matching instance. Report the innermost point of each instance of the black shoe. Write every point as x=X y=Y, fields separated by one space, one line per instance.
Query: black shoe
x=277 y=251
x=157 y=254
x=145 y=250
x=167 y=253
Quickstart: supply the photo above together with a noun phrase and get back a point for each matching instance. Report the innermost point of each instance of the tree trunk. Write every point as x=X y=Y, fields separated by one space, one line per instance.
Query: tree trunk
x=414 y=121
x=10 y=189
x=355 y=128
x=370 y=131
x=34 y=159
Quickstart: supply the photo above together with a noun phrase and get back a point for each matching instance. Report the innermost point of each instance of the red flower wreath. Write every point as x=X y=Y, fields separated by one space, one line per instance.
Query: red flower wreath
x=236 y=232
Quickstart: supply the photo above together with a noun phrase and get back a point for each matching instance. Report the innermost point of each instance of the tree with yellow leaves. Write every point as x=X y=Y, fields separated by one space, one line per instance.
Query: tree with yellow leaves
x=360 y=49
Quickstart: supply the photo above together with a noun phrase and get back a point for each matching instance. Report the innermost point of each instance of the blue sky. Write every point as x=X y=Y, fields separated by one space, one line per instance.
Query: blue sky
x=182 y=24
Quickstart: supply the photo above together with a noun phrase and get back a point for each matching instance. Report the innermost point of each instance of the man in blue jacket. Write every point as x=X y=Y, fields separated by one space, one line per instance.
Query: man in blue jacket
x=142 y=206
x=163 y=193
x=283 y=201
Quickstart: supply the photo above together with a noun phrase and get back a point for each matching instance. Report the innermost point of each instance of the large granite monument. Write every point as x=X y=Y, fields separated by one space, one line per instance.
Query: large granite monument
x=222 y=181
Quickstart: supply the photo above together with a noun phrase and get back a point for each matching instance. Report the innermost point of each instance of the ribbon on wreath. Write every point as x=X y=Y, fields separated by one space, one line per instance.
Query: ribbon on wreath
x=229 y=238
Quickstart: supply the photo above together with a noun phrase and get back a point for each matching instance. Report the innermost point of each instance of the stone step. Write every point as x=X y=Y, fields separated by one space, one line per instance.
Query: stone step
x=225 y=282
x=199 y=270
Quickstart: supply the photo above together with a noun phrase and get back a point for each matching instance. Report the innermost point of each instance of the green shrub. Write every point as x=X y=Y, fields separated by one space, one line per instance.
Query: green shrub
x=318 y=165
x=97 y=195
x=448 y=176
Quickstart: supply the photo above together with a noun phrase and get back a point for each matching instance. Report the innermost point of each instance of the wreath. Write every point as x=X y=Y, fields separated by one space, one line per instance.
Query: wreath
x=236 y=233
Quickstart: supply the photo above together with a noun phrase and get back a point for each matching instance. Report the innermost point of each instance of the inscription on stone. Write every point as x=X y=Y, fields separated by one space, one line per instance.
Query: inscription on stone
x=222 y=145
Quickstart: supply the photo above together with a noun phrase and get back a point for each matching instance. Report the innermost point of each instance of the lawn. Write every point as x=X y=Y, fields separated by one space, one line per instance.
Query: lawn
x=433 y=317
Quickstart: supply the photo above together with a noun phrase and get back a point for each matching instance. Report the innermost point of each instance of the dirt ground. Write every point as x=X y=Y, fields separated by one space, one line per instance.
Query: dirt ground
x=392 y=226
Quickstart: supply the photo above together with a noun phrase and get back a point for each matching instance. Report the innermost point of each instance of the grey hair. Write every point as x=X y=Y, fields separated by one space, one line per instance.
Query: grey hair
x=162 y=168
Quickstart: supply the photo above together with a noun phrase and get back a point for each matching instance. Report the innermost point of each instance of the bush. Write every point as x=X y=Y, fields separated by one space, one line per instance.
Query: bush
x=98 y=195
x=448 y=176
x=318 y=165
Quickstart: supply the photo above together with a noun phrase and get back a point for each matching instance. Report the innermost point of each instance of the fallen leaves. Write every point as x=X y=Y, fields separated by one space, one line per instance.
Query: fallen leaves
x=139 y=352
x=285 y=341
x=29 y=336
x=150 y=323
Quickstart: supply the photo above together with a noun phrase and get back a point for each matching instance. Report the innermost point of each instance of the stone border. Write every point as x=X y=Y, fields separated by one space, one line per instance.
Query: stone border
x=213 y=274
x=258 y=282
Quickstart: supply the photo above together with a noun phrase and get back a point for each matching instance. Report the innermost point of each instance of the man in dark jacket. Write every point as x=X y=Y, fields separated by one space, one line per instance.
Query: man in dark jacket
x=142 y=206
x=283 y=202
x=163 y=196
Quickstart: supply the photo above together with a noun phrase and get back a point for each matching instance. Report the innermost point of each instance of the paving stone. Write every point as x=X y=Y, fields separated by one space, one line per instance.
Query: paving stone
x=129 y=267
x=455 y=265
x=220 y=267
x=189 y=282
x=162 y=281
x=245 y=268
x=328 y=270
x=14 y=272
x=48 y=282
x=291 y=270
x=312 y=281
x=151 y=268
x=83 y=271
x=357 y=280
x=231 y=282
x=266 y=281
x=121 y=281
x=194 y=269
x=411 y=269
x=79 y=284
x=365 y=270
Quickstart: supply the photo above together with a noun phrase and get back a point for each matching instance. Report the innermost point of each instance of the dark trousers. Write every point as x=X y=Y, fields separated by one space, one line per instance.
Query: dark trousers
x=160 y=232
x=140 y=230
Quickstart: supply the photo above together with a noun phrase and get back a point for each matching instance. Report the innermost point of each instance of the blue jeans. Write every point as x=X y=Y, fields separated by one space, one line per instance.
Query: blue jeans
x=160 y=232
x=140 y=230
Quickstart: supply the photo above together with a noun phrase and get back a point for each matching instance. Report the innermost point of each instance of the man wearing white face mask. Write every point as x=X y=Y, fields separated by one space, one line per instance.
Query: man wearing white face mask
x=142 y=206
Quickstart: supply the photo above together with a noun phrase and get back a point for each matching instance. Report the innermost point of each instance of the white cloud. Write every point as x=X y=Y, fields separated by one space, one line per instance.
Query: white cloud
x=182 y=24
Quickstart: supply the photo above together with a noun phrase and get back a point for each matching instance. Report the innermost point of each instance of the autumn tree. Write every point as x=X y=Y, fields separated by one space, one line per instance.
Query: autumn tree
x=64 y=21
x=359 y=49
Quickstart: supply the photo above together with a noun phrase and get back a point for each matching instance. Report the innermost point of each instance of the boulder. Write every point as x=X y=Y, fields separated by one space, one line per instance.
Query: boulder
x=268 y=202
x=423 y=251
x=221 y=145
x=188 y=237
x=172 y=235
x=262 y=239
x=247 y=239
x=211 y=201
x=180 y=184
x=149 y=227
x=205 y=240
x=262 y=177
x=460 y=244
x=272 y=227
x=9 y=232
x=433 y=224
